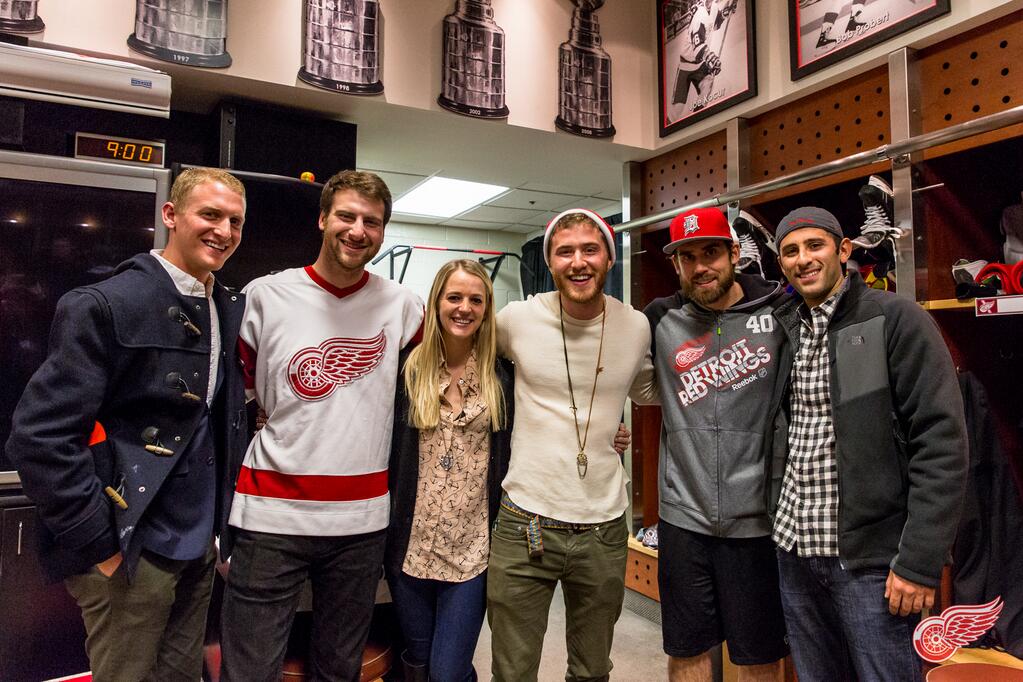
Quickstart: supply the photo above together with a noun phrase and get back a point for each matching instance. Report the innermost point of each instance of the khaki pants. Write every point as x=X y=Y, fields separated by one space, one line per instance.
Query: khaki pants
x=591 y=567
x=151 y=629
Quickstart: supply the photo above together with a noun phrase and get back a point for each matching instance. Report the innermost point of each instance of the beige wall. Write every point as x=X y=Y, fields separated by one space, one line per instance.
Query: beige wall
x=265 y=43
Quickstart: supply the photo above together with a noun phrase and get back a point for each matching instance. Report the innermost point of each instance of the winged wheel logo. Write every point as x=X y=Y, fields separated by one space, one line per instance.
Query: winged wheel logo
x=937 y=638
x=314 y=373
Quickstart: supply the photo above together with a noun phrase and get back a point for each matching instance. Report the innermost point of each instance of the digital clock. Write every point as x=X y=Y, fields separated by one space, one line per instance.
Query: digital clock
x=119 y=149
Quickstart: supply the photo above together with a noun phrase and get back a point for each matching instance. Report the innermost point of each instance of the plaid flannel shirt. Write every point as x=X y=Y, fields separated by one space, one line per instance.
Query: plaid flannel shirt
x=807 y=516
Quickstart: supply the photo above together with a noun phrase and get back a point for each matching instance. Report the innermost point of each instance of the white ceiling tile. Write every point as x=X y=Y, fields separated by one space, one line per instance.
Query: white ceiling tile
x=554 y=188
x=498 y=214
x=605 y=208
x=521 y=229
x=610 y=195
x=598 y=206
x=474 y=224
x=539 y=220
x=399 y=183
x=531 y=199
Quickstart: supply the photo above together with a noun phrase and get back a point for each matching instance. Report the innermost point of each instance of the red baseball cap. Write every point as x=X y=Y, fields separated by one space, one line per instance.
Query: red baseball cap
x=699 y=223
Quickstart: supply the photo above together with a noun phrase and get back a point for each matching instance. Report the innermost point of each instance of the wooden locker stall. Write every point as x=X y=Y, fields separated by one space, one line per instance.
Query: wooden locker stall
x=949 y=193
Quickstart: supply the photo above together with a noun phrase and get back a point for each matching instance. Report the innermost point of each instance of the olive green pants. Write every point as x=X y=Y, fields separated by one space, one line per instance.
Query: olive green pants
x=591 y=567
x=150 y=629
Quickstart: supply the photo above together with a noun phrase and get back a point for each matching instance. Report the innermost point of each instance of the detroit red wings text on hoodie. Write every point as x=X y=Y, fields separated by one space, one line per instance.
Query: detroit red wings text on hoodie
x=736 y=366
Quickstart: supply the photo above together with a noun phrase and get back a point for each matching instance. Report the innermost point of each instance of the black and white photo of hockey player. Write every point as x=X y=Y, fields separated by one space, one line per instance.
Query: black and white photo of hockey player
x=828 y=25
x=705 y=58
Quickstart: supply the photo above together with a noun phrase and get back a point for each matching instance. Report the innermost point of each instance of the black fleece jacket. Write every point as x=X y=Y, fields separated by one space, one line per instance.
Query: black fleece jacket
x=899 y=428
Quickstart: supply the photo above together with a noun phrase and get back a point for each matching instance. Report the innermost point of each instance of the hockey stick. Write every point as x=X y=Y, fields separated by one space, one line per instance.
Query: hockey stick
x=709 y=89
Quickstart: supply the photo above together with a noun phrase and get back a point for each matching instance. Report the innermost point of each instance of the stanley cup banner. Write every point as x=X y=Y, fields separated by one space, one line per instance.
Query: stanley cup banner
x=191 y=32
x=584 y=76
x=342 y=46
x=20 y=16
x=472 y=81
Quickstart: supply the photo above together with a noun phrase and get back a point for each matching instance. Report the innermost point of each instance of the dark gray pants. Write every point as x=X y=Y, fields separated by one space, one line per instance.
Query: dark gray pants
x=151 y=629
x=264 y=585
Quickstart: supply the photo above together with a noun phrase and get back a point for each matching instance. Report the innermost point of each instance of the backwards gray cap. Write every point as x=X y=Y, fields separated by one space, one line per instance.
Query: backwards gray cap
x=808 y=216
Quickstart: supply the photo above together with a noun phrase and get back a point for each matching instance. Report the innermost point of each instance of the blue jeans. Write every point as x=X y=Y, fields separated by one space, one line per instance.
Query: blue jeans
x=839 y=626
x=441 y=622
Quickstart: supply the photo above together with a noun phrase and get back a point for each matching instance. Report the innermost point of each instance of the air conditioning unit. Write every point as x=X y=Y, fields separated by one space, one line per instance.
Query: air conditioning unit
x=68 y=78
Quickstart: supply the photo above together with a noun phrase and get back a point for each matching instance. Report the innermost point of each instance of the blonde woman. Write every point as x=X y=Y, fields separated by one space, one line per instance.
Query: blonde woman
x=451 y=445
x=449 y=454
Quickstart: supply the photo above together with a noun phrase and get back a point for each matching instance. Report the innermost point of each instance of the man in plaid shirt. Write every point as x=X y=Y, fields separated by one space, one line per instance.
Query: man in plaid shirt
x=869 y=462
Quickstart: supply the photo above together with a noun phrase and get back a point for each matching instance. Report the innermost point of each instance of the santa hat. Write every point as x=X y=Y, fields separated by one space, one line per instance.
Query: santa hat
x=609 y=236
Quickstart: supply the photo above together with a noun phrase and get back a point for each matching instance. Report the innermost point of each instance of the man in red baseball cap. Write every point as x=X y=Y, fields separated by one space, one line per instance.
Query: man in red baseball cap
x=715 y=352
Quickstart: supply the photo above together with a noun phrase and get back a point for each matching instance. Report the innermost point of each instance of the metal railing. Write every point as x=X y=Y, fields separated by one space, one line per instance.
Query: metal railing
x=894 y=151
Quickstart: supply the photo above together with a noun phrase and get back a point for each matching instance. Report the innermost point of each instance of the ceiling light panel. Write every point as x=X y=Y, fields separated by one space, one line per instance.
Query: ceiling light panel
x=445 y=197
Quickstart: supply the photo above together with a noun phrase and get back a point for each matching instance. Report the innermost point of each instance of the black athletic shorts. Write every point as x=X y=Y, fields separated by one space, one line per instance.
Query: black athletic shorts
x=717 y=589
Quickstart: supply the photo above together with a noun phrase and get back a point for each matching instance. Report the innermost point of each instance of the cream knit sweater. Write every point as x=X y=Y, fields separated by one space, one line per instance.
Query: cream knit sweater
x=543 y=477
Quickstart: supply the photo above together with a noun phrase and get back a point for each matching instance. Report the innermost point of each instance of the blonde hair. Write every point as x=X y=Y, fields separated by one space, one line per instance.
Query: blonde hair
x=190 y=178
x=422 y=369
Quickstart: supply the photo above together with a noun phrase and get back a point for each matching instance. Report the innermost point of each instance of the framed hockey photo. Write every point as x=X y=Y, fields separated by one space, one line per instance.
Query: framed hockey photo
x=706 y=59
x=823 y=32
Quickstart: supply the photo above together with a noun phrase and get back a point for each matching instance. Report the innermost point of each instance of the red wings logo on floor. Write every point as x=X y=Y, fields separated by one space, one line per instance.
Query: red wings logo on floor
x=937 y=638
x=314 y=373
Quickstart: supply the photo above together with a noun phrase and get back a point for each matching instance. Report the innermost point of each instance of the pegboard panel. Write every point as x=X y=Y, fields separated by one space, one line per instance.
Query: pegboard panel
x=695 y=172
x=641 y=571
x=846 y=118
x=971 y=75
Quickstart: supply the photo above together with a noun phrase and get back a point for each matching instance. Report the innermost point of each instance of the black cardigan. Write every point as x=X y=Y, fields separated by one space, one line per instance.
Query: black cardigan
x=403 y=472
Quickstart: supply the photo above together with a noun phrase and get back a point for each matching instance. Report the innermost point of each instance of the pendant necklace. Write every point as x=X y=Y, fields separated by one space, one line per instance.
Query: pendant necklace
x=446 y=460
x=581 y=462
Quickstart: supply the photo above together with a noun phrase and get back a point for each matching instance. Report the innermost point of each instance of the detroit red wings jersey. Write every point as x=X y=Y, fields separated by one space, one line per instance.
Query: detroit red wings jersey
x=322 y=362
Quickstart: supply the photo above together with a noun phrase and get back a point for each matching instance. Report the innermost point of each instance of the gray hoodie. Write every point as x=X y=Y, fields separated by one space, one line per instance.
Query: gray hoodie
x=715 y=372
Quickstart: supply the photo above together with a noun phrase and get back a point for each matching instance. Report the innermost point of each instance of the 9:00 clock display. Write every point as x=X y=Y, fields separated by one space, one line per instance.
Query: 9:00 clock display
x=119 y=149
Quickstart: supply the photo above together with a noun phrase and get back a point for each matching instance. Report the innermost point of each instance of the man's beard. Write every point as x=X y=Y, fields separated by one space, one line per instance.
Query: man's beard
x=348 y=261
x=572 y=293
x=706 y=297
